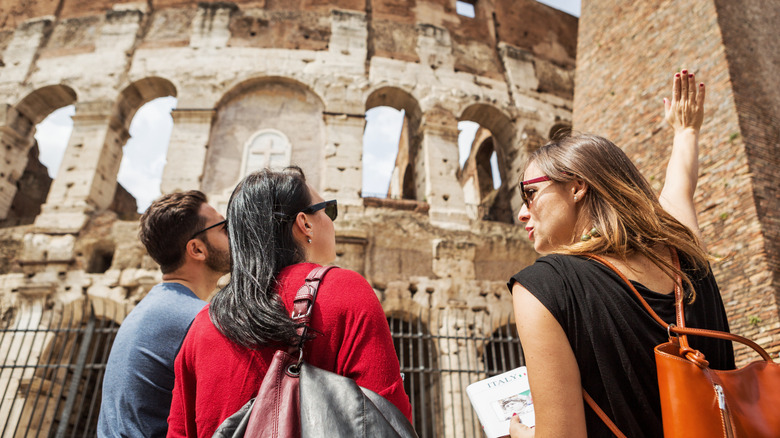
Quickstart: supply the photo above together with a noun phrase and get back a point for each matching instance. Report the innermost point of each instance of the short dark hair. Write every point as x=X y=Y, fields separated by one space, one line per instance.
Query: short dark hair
x=168 y=224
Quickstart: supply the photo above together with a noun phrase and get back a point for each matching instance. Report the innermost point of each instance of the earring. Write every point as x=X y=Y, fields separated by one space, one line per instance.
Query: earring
x=308 y=239
x=592 y=233
x=575 y=198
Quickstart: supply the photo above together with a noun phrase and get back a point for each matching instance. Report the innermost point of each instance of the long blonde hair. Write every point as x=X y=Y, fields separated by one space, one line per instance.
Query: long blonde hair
x=619 y=203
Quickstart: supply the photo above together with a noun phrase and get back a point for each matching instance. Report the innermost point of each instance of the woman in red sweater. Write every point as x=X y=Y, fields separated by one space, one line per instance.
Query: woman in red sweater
x=280 y=229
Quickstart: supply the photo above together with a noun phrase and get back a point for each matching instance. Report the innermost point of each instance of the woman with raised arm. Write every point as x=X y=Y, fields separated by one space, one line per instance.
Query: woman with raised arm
x=579 y=323
x=279 y=229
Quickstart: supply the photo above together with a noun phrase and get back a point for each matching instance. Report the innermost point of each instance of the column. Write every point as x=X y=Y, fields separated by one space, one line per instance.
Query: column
x=16 y=138
x=86 y=180
x=343 y=174
x=440 y=152
x=187 y=149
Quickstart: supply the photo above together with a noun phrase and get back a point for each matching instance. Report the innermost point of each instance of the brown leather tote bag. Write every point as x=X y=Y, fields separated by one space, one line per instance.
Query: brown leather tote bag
x=701 y=402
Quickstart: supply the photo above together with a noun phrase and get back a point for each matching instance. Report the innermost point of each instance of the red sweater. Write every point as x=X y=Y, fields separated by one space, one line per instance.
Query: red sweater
x=215 y=377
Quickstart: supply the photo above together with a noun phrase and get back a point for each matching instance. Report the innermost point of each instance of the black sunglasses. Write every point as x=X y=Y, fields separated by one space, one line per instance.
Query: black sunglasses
x=208 y=228
x=331 y=209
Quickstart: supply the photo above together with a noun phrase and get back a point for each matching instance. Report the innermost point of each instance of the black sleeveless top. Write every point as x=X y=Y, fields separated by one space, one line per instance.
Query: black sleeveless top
x=613 y=336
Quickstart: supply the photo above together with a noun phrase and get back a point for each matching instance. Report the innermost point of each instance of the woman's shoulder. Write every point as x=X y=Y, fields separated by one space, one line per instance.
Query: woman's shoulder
x=299 y=271
x=557 y=263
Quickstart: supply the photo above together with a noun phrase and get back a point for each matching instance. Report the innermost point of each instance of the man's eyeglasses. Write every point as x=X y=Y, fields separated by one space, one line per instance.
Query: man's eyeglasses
x=208 y=228
x=331 y=209
x=528 y=197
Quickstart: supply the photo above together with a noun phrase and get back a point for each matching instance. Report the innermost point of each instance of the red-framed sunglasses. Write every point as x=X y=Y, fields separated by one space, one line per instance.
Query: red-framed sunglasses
x=529 y=197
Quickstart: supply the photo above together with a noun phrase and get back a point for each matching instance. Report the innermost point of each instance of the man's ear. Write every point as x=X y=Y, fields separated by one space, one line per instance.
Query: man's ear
x=196 y=250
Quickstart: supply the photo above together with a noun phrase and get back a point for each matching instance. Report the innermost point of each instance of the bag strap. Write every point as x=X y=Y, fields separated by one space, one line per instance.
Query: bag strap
x=680 y=329
x=694 y=356
x=304 y=303
x=604 y=417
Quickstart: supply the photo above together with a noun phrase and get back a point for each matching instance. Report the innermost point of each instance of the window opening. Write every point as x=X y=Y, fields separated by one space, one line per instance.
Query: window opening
x=144 y=154
x=381 y=139
x=466 y=8
x=52 y=135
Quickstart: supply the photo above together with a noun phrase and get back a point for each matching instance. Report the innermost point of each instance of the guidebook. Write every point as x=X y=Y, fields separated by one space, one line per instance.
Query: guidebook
x=496 y=398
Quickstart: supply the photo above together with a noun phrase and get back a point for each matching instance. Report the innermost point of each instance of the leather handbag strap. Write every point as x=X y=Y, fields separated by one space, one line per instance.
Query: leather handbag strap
x=680 y=328
x=604 y=417
x=304 y=302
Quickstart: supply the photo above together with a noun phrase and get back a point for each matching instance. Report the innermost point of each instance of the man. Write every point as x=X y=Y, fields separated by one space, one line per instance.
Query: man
x=187 y=238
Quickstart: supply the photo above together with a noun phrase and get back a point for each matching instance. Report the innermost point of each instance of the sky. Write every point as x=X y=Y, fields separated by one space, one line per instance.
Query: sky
x=144 y=154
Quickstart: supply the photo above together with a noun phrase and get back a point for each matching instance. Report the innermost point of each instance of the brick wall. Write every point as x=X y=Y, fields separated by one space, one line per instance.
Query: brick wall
x=626 y=55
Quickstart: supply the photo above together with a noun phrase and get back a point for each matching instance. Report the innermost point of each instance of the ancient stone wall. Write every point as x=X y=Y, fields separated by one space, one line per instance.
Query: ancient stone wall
x=283 y=82
x=627 y=54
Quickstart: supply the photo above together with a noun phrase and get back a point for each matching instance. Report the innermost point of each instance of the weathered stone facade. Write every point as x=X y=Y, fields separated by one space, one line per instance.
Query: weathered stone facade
x=627 y=53
x=291 y=80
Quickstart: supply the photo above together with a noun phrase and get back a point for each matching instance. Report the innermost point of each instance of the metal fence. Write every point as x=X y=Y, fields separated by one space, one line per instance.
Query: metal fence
x=441 y=353
x=51 y=369
x=52 y=363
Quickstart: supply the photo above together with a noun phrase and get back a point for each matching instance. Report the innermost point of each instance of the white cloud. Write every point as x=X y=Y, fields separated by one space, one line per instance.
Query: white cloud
x=468 y=130
x=380 y=148
x=52 y=135
x=571 y=7
x=144 y=155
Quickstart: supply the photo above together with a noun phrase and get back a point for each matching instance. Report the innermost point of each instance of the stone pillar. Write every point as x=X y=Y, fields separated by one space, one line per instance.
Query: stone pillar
x=86 y=181
x=15 y=141
x=187 y=149
x=343 y=173
x=457 y=351
x=440 y=154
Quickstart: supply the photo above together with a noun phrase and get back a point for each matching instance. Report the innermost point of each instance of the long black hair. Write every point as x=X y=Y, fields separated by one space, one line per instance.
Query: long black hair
x=260 y=218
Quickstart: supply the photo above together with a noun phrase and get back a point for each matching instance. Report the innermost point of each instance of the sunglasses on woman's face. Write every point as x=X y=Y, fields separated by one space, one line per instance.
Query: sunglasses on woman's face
x=331 y=209
x=528 y=196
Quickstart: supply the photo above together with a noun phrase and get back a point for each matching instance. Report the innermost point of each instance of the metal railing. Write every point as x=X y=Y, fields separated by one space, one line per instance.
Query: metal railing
x=51 y=370
x=440 y=354
x=52 y=363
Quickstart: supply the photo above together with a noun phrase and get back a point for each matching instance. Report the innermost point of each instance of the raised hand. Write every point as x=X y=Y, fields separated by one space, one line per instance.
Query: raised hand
x=686 y=109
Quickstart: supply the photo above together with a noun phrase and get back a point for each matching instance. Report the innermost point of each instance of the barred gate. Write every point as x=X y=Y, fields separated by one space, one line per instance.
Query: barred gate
x=52 y=363
x=51 y=369
x=441 y=353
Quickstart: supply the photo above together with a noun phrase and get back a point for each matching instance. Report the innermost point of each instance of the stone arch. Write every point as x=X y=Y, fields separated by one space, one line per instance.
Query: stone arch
x=138 y=93
x=408 y=177
x=495 y=135
x=17 y=131
x=88 y=182
x=276 y=104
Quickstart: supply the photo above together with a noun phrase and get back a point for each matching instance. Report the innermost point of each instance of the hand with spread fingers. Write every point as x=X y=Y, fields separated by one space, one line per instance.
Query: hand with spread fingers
x=686 y=109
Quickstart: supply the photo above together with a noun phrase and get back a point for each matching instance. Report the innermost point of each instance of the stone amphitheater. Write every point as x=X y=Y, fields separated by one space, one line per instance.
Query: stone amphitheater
x=270 y=82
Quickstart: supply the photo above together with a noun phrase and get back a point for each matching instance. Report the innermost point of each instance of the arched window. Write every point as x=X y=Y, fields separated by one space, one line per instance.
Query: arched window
x=266 y=148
